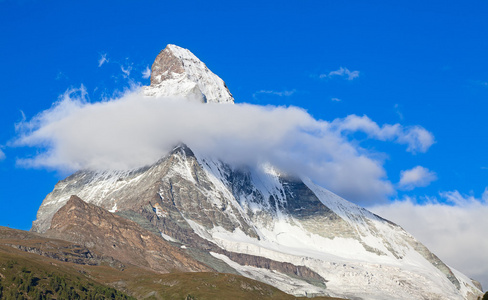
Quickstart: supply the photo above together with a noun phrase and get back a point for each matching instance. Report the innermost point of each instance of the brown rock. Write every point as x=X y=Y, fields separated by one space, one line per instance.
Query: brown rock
x=165 y=64
x=122 y=239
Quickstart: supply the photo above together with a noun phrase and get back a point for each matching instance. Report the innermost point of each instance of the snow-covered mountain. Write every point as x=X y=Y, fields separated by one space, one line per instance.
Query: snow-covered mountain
x=273 y=227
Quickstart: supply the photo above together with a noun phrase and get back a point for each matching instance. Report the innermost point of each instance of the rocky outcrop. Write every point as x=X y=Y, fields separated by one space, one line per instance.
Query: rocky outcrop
x=56 y=249
x=112 y=235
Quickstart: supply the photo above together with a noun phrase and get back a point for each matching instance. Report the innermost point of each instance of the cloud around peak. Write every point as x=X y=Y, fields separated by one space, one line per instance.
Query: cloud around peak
x=133 y=131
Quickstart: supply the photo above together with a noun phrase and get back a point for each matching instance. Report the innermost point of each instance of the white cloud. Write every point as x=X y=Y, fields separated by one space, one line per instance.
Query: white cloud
x=2 y=155
x=455 y=231
x=146 y=73
x=416 y=177
x=126 y=70
x=133 y=131
x=341 y=72
x=276 y=93
x=335 y=99
x=417 y=138
x=103 y=59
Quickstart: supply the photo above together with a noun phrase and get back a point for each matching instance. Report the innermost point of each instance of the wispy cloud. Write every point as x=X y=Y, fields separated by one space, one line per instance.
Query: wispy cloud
x=341 y=72
x=146 y=73
x=417 y=138
x=126 y=70
x=103 y=59
x=61 y=76
x=2 y=155
x=416 y=177
x=21 y=124
x=398 y=112
x=276 y=93
x=335 y=99
x=450 y=225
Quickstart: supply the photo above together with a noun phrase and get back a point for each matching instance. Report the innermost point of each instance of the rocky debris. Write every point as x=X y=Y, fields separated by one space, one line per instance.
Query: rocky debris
x=112 y=235
x=74 y=254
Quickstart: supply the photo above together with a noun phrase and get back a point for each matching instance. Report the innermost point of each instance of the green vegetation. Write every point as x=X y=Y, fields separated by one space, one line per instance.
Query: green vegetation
x=20 y=281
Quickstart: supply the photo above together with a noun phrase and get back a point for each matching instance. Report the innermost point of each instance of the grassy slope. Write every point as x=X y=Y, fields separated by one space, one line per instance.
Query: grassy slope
x=30 y=276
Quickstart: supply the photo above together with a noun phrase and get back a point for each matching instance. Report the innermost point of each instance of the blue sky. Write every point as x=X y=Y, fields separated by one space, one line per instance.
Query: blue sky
x=409 y=63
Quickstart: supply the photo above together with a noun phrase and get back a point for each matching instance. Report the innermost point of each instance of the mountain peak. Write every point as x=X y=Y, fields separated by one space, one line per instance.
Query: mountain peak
x=178 y=72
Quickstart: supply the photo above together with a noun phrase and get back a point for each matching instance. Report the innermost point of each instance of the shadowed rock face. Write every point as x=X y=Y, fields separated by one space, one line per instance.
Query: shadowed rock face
x=112 y=235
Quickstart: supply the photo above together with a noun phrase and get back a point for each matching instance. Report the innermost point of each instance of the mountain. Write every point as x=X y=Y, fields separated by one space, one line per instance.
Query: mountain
x=255 y=221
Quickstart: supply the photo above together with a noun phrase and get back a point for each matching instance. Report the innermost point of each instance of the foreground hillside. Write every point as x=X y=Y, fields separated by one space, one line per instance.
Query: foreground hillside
x=30 y=276
x=35 y=267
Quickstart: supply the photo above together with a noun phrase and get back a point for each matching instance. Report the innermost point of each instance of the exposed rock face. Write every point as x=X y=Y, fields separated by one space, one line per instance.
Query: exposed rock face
x=177 y=72
x=53 y=248
x=276 y=228
x=98 y=229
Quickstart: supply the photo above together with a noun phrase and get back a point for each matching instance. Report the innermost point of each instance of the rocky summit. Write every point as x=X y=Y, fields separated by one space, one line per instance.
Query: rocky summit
x=276 y=228
x=176 y=72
